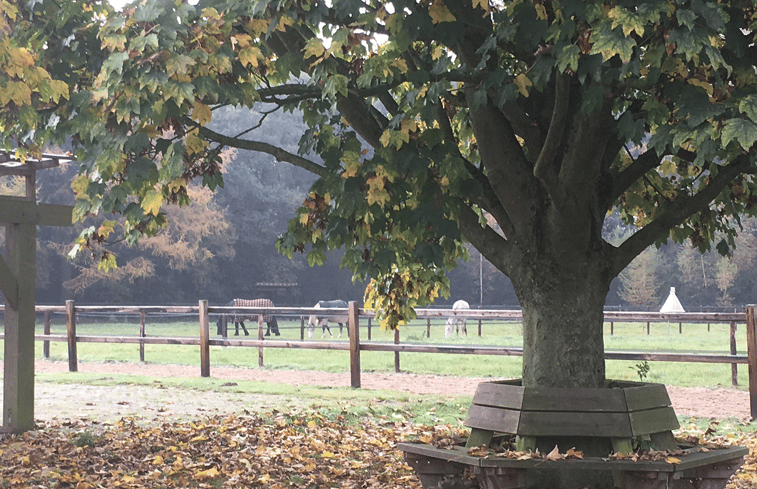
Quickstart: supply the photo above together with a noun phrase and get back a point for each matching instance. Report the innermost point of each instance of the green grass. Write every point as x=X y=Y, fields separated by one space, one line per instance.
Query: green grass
x=695 y=338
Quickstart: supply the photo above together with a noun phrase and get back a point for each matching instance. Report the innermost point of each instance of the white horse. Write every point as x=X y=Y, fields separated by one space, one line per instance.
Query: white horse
x=324 y=321
x=457 y=323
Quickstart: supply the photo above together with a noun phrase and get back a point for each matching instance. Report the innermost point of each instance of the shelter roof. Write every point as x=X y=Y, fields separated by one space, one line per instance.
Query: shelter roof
x=10 y=165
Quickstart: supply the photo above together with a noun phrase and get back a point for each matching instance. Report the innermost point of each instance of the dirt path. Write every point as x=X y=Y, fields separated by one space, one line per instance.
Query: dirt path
x=74 y=401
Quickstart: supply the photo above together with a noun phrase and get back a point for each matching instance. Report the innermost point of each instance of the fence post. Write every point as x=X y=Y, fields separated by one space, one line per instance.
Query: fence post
x=353 y=330
x=479 y=327
x=612 y=328
x=46 y=343
x=734 y=367
x=680 y=328
x=302 y=328
x=260 y=337
x=647 y=328
x=396 y=353
x=142 y=335
x=73 y=362
x=428 y=327
x=369 y=328
x=751 y=342
x=204 y=340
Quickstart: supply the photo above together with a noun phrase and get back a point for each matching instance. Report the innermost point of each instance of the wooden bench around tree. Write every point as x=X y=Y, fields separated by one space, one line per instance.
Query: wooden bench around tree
x=624 y=414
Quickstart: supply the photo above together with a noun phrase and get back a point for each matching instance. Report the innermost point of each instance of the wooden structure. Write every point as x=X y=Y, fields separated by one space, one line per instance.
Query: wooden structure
x=617 y=415
x=20 y=216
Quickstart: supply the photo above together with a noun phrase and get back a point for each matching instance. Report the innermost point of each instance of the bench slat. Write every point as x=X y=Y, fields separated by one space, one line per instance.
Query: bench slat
x=543 y=423
x=494 y=419
x=653 y=421
x=648 y=397
x=499 y=394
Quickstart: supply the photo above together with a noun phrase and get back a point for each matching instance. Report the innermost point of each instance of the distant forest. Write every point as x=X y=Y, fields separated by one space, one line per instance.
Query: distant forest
x=223 y=245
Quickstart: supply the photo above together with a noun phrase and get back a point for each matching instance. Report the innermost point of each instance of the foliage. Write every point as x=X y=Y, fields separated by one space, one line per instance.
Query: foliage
x=426 y=122
x=639 y=283
x=642 y=369
x=275 y=450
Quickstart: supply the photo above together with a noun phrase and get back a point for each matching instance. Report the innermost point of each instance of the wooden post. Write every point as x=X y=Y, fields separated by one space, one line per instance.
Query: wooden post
x=396 y=353
x=479 y=327
x=46 y=343
x=19 y=318
x=734 y=367
x=680 y=328
x=302 y=328
x=751 y=342
x=261 y=338
x=369 y=329
x=204 y=340
x=612 y=328
x=141 y=335
x=353 y=328
x=73 y=361
x=225 y=326
x=647 y=328
x=428 y=327
x=708 y=327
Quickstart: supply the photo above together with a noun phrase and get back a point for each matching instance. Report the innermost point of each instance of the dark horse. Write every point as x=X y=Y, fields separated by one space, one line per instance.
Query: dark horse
x=273 y=325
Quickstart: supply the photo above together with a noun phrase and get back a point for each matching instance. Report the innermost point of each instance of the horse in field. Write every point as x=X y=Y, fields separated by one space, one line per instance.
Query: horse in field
x=456 y=324
x=324 y=321
x=239 y=319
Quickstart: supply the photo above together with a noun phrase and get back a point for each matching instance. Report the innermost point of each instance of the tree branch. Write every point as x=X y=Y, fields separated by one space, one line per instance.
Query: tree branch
x=260 y=147
x=544 y=169
x=488 y=200
x=486 y=240
x=683 y=207
x=641 y=165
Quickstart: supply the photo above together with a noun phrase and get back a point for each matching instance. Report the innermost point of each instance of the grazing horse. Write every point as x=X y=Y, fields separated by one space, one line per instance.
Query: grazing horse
x=273 y=325
x=456 y=323
x=324 y=321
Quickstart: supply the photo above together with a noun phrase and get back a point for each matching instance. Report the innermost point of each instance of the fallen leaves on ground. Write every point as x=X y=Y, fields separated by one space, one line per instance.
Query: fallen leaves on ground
x=279 y=451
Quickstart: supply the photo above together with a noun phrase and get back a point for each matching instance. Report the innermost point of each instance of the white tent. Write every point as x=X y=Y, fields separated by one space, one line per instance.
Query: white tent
x=672 y=304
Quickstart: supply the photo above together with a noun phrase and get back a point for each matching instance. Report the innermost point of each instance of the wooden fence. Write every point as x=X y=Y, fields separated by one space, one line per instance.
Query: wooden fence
x=354 y=345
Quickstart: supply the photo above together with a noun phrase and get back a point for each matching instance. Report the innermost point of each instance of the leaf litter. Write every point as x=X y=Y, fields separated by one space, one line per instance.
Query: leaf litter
x=273 y=450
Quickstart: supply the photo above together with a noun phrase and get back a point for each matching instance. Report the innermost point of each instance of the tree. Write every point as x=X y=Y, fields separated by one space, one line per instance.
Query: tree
x=429 y=118
x=639 y=282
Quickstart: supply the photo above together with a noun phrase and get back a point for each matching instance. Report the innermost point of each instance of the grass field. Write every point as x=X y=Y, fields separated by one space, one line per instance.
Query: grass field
x=695 y=338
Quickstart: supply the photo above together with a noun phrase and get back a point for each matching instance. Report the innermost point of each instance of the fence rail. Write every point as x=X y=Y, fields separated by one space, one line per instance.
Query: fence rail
x=354 y=346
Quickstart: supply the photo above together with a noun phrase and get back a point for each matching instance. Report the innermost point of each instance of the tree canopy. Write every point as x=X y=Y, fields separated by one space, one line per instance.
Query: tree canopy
x=514 y=125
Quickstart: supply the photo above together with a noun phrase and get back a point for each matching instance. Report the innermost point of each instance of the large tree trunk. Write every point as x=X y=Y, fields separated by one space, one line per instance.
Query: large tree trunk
x=563 y=320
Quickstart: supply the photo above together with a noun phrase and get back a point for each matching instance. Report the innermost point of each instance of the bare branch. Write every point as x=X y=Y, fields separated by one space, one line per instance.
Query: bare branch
x=260 y=147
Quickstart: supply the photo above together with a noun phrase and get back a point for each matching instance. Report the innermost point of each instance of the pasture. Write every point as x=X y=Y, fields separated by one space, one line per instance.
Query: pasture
x=626 y=336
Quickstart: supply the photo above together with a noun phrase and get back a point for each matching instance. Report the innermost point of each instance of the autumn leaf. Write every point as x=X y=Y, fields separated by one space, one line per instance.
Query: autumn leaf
x=522 y=82
x=440 y=13
x=554 y=454
x=151 y=202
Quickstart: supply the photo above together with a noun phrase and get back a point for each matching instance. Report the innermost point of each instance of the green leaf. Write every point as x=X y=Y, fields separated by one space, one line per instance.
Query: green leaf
x=748 y=106
x=610 y=42
x=742 y=131
x=148 y=11
x=114 y=64
x=568 y=58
